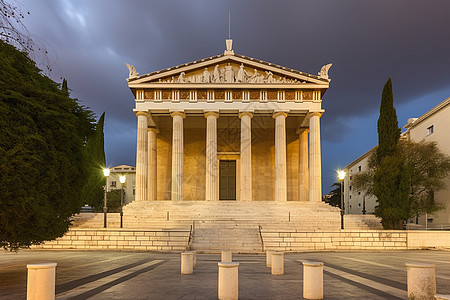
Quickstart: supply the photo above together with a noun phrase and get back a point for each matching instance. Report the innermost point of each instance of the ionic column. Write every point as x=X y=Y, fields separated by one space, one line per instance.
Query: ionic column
x=212 y=179
x=303 y=168
x=177 y=155
x=280 y=156
x=246 y=156
x=152 y=132
x=141 y=156
x=315 y=172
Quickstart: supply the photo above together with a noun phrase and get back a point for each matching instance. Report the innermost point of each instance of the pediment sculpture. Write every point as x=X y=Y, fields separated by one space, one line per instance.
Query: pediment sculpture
x=228 y=74
x=132 y=70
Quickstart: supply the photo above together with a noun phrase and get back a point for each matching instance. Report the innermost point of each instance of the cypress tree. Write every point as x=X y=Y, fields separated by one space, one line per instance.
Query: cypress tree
x=95 y=149
x=392 y=177
x=388 y=130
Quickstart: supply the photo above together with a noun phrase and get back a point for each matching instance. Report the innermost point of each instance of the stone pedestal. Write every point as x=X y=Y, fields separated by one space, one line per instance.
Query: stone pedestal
x=421 y=281
x=41 y=281
x=277 y=263
x=269 y=258
x=187 y=263
x=227 y=256
x=312 y=280
x=228 y=280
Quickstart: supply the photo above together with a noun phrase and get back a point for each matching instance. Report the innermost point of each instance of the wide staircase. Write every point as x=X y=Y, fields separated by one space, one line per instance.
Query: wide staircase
x=237 y=226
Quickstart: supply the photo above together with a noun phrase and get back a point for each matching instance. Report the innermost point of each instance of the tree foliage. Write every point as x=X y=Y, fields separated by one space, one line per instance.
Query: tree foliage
x=335 y=193
x=388 y=130
x=43 y=163
x=93 y=189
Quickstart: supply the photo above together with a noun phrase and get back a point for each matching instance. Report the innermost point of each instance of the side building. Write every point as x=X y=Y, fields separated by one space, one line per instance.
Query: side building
x=430 y=127
x=113 y=181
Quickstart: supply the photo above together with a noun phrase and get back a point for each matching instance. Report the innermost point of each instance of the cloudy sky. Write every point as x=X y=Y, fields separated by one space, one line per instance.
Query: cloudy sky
x=367 y=41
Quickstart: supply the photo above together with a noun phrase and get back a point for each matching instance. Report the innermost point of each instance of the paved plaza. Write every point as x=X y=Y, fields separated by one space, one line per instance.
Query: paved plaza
x=145 y=275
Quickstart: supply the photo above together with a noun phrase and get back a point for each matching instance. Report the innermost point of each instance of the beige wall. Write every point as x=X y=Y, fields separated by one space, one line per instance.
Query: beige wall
x=441 y=124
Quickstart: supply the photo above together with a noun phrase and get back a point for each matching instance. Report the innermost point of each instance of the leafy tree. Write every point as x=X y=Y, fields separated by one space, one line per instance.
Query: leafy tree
x=113 y=198
x=42 y=153
x=391 y=187
x=93 y=190
x=335 y=199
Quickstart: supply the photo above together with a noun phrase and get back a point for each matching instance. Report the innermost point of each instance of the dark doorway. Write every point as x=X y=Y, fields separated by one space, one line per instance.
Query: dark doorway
x=227 y=180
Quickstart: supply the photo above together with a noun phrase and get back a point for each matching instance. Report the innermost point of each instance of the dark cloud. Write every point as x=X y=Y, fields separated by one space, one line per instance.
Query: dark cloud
x=367 y=42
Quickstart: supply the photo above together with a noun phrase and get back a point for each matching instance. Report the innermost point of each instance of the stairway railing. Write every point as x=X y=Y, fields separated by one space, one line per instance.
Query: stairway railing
x=261 y=237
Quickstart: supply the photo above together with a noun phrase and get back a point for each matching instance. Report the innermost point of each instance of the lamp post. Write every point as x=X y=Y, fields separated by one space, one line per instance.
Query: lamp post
x=122 y=181
x=341 y=176
x=105 y=208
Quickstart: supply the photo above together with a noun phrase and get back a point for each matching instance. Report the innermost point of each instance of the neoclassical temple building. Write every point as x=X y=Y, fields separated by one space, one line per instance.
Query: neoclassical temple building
x=228 y=127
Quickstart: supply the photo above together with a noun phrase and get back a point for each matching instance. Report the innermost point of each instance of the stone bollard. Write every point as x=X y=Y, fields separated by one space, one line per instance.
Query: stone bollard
x=277 y=263
x=41 y=281
x=227 y=256
x=269 y=258
x=187 y=263
x=312 y=280
x=228 y=280
x=421 y=281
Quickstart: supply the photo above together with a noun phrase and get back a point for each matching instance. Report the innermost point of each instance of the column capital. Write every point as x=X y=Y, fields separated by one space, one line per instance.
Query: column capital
x=156 y=130
x=312 y=114
x=300 y=130
x=279 y=113
x=214 y=113
x=142 y=113
x=178 y=113
x=245 y=113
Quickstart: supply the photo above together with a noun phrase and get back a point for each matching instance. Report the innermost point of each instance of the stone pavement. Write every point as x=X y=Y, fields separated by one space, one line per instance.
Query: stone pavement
x=148 y=275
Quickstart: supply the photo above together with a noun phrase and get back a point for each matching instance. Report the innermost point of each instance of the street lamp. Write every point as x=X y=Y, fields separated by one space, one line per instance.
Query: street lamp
x=341 y=176
x=105 y=208
x=122 y=181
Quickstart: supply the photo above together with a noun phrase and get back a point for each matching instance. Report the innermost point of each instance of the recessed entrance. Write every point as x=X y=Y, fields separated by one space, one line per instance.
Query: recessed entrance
x=227 y=180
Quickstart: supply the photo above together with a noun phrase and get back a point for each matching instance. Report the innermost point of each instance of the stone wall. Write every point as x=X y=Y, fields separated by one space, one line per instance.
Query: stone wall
x=121 y=239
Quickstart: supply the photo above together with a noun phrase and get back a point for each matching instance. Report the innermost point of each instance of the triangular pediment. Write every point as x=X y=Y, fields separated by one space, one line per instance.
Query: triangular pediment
x=228 y=69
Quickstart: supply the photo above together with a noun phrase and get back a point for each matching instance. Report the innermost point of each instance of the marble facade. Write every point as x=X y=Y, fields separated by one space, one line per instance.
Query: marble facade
x=228 y=123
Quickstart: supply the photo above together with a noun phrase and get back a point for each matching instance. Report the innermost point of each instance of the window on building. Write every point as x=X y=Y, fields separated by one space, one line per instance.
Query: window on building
x=134 y=191
x=430 y=130
x=359 y=168
x=359 y=204
x=113 y=183
x=359 y=193
x=350 y=187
